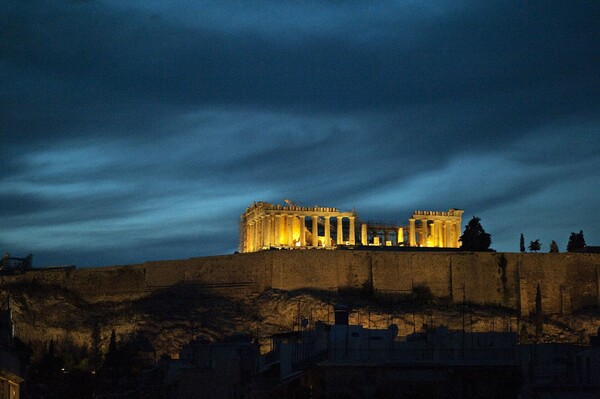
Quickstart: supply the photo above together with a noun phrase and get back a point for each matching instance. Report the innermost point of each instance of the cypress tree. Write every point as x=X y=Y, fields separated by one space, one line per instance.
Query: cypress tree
x=522 y=243
x=96 y=350
x=576 y=241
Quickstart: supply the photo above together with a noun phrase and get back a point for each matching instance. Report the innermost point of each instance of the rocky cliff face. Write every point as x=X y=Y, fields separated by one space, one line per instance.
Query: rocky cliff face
x=171 y=317
x=167 y=303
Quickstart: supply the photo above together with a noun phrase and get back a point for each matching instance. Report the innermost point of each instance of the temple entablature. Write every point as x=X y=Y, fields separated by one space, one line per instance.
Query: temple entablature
x=290 y=226
x=452 y=213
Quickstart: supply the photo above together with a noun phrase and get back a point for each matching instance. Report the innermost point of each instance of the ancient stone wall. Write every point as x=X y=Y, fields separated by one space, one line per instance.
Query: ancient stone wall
x=567 y=281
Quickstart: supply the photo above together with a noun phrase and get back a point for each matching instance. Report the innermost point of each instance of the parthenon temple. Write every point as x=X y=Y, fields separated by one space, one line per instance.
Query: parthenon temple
x=266 y=226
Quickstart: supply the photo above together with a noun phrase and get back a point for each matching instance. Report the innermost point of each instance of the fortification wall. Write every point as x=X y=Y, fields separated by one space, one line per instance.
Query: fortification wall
x=399 y=273
x=228 y=274
x=484 y=278
x=567 y=281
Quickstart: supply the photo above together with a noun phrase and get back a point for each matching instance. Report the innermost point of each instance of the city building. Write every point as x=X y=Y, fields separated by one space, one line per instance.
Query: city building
x=324 y=360
x=216 y=370
x=10 y=367
x=351 y=361
x=10 y=264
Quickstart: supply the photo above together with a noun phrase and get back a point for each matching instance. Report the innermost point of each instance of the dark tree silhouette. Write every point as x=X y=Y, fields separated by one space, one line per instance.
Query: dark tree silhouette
x=474 y=237
x=535 y=245
x=48 y=368
x=576 y=241
x=112 y=344
x=539 y=314
x=112 y=360
x=554 y=246
x=522 y=243
x=96 y=349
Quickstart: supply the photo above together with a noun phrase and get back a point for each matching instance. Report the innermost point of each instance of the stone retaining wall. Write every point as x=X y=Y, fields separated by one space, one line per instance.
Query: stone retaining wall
x=567 y=281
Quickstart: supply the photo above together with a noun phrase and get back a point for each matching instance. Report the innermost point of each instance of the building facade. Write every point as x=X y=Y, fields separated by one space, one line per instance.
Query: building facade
x=10 y=366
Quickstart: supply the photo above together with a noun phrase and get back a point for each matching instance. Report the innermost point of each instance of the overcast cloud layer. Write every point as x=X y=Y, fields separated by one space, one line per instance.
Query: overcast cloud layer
x=141 y=130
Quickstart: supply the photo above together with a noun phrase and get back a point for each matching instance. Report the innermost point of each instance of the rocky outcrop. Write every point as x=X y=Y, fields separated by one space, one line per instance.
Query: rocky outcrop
x=171 y=317
x=170 y=302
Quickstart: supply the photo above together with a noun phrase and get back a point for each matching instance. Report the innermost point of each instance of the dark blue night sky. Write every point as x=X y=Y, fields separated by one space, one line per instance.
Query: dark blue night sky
x=141 y=130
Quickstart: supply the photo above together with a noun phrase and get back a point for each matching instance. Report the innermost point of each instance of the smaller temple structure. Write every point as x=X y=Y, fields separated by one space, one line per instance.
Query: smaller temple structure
x=430 y=229
x=438 y=229
x=265 y=226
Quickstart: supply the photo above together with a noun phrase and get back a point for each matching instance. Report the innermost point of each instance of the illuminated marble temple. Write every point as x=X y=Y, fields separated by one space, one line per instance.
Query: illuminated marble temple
x=265 y=226
x=437 y=229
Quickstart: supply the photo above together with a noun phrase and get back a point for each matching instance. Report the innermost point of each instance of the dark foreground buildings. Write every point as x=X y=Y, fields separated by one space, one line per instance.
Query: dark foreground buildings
x=10 y=367
x=349 y=361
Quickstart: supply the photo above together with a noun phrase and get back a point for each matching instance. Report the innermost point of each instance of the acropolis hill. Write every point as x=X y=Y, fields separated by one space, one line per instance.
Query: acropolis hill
x=170 y=302
x=568 y=281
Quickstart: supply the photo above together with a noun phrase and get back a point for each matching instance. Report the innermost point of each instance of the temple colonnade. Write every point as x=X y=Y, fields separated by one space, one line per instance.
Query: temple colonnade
x=382 y=235
x=436 y=229
x=426 y=229
x=265 y=225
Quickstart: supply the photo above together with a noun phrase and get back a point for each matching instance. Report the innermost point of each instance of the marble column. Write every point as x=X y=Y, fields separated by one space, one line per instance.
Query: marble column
x=249 y=235
x=315 y=231
x=277 y=240
x=457 y=234
x=302 y=230
x=327 y=231
x=246 y=236
x=386 y=237
x=259 y=232
x=271 y=230
x=290 y=231
x=352 y=230
x=442 y=234
x=364 y=238
x=424 y=232
x=400 y=235
x=267 y=231
x=412 y=236
x=283 y=232
x=254 y=235
x=447 y=230
x=340 y=231
x=260 y=226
